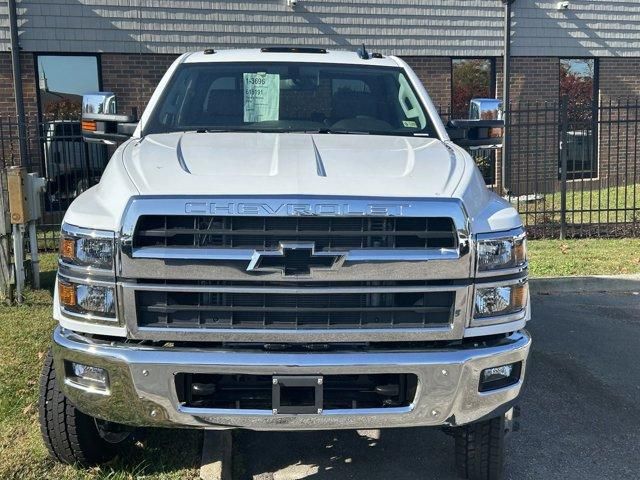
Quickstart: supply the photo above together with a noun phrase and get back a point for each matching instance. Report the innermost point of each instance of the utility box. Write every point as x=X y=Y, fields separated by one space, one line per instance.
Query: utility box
x=24 y=195
x=16 y=184
x=35 y=188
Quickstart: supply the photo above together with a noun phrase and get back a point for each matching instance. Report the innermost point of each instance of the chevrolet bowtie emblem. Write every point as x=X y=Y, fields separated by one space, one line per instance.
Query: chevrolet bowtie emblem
x=293 y=258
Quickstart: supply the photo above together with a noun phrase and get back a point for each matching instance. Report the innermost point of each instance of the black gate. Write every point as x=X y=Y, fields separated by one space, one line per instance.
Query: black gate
x=573 y=171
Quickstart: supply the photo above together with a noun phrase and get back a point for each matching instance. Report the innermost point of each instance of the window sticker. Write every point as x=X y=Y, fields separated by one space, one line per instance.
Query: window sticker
x=409 y=124
x=261 y=96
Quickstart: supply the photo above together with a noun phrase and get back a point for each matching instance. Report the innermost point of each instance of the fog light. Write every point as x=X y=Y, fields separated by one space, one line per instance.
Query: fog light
x=499 y=377
x=87 y=377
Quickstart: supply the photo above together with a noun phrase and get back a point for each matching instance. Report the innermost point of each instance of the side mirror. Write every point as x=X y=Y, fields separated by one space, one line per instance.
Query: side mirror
x=101 y=123
x=483 y=129
x=485 y=109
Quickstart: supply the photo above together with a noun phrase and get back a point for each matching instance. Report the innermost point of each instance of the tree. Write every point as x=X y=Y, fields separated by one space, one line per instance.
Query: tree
x=577 y=87
x=64 y=109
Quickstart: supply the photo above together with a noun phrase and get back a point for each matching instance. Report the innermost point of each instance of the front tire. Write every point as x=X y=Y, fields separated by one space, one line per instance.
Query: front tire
x=71 y=436
x=480 y=449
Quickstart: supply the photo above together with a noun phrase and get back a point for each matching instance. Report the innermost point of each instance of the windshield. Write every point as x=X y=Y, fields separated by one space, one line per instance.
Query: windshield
x=290 y=97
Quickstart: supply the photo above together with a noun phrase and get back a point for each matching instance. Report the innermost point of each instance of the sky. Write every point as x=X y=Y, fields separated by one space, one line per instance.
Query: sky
x=580 y=67
x=69 y=74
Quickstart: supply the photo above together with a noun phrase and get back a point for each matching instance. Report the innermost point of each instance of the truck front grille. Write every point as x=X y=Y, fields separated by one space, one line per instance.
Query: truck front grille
x=295 y=270
x=294 y=308
x=328 y=233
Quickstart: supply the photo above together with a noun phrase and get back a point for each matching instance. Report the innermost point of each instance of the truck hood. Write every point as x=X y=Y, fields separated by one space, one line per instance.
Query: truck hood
x=292 y=164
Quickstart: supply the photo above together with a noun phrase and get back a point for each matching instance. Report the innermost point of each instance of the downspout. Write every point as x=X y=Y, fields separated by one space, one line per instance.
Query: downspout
x=506 y=80
x=17 y=81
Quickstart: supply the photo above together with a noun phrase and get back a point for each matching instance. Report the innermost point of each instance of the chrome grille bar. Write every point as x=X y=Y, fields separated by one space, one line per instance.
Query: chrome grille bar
x=335 y=326
x=328 y=233
x=248 y=309
x=373 y=262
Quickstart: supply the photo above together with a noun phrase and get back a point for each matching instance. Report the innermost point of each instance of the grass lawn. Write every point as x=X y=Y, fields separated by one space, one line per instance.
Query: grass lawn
x=24 y=339
x=617 y=204
x=556 y=258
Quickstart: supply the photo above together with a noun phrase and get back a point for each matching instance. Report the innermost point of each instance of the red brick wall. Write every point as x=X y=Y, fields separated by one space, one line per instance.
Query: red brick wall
x=535 y=79
x=9 y=144
x=533 y=165
x=6 y=85
x=435 y=74
x=7 y=99
x=619 y=78
x=133 y=78
x=619 y=147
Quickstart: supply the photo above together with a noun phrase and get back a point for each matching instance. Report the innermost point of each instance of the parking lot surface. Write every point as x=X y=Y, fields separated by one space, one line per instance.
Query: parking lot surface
x=580 y=411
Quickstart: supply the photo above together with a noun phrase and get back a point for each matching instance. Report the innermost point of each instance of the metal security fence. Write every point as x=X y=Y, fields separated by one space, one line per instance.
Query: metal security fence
x=572 y=171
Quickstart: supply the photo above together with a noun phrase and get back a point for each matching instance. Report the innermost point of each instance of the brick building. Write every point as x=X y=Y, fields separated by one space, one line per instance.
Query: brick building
x=125 y=46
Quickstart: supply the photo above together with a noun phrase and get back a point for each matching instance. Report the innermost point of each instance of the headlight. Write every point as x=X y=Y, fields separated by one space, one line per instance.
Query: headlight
x=499 y=301
x=87 y=248
x=83 y=299
x=502 y=251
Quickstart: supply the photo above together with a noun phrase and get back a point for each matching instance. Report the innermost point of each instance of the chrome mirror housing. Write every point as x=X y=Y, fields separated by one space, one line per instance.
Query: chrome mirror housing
x=483 y=129
x=101 y=122
x=485 y=109
x=101 y=103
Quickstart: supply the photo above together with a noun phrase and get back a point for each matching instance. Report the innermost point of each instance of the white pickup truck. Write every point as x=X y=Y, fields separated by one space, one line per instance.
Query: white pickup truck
x=288 y=239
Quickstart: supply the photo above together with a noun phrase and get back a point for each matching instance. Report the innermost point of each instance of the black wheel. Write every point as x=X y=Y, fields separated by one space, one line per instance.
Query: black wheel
x=71 y=436
x=480 y=449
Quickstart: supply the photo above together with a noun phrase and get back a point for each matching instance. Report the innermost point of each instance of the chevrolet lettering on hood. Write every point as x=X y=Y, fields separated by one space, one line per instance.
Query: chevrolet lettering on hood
x=292 y=209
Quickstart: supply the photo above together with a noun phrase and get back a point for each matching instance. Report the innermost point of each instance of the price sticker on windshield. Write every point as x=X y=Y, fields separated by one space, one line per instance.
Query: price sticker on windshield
x=261 y=97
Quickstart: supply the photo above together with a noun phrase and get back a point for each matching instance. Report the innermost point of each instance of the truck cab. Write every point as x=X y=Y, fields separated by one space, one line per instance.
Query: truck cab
x=288 y=239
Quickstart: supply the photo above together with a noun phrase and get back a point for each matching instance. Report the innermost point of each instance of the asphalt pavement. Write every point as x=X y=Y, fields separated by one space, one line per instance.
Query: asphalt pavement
x=580 y=411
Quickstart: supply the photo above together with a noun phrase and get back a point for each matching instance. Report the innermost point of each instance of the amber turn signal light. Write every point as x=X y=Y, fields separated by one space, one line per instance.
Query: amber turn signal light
x=67 y=294
x=519 y=296
x=89 y=125
x=67 y=248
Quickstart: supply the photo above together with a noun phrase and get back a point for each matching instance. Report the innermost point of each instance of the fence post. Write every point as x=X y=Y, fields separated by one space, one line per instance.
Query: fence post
x=564 y=127
x=6 y=287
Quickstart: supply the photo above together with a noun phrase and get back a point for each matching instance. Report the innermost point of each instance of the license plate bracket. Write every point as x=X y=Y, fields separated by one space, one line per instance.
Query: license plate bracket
x=297 y=394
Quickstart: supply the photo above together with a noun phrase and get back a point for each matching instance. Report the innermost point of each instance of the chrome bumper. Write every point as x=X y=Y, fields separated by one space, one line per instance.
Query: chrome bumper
x=142 y=390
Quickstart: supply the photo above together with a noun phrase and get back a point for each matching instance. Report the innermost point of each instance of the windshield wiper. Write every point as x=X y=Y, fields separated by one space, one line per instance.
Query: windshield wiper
x=361 y=132
x=220 y=130
x=341 y=132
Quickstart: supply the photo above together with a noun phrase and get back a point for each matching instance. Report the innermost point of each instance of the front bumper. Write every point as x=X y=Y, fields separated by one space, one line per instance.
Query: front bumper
x=142 y=388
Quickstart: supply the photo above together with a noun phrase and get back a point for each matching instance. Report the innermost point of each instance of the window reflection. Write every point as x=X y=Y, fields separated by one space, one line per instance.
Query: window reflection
x=70 y=165
x=62 y=80
x=470 y=78
x=577 y=88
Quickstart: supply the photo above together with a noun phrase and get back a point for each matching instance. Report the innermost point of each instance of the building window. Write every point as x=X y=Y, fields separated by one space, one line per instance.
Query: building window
x=62 y=80
x=470 y=78
x=578 y=84
x=70 y=165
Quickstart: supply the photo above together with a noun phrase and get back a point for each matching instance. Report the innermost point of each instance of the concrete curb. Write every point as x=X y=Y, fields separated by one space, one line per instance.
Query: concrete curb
x=589 y=284
x=216 y=455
